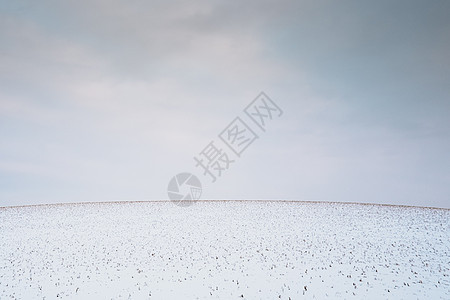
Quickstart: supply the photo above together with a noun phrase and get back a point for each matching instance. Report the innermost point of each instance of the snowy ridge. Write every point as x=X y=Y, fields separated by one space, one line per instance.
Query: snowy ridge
x=224 y=250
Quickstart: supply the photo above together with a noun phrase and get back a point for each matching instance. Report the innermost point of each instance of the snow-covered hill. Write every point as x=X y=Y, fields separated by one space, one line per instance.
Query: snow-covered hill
x=226 y=250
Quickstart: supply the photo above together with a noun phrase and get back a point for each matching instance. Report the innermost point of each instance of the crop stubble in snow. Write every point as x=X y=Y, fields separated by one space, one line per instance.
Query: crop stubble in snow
x=227 y=250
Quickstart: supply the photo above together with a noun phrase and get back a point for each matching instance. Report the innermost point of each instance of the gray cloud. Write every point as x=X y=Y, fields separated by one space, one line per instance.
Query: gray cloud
x=105 y=100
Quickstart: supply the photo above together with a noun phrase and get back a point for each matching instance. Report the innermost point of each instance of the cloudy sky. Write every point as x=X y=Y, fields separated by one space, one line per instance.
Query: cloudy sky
x=108 y=100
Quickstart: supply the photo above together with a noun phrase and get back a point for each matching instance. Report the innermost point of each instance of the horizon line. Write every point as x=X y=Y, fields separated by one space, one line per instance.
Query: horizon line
x=222 y=200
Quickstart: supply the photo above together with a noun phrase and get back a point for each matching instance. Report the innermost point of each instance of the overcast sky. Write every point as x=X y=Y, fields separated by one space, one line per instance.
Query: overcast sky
x=107 y=100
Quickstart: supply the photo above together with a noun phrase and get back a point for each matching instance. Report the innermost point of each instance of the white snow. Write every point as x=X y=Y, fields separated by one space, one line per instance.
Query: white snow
x=224 y=250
